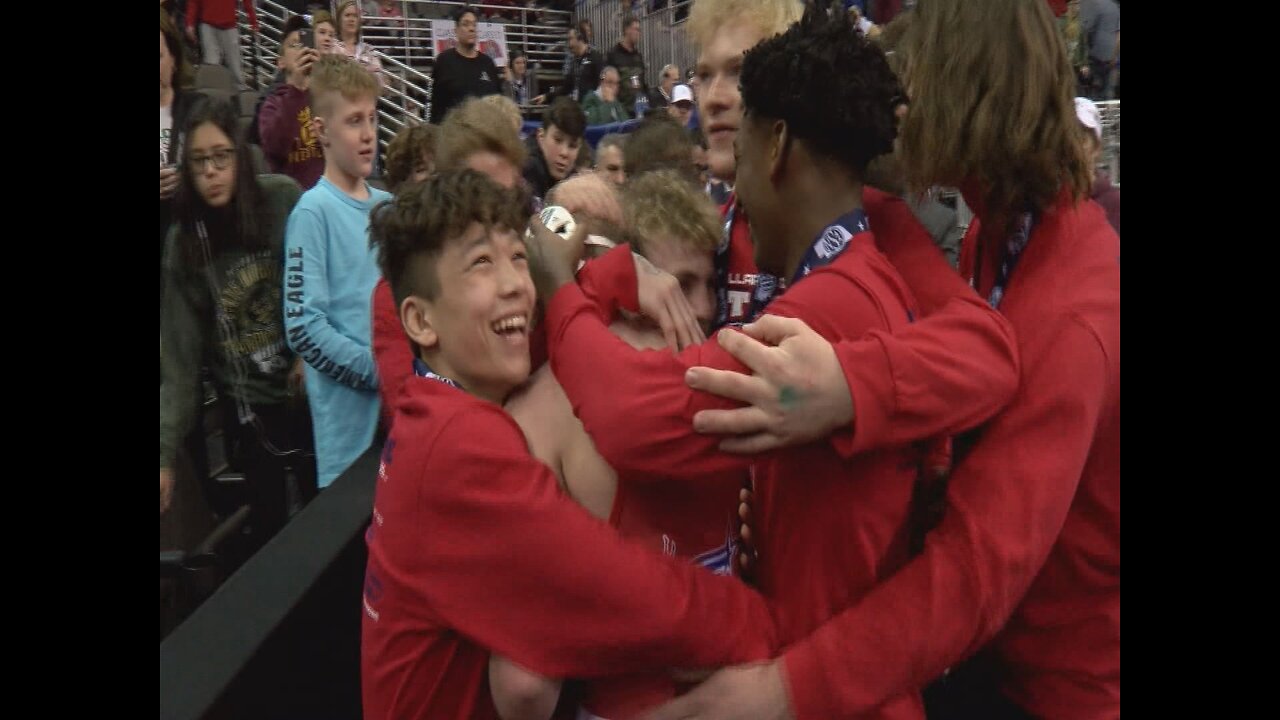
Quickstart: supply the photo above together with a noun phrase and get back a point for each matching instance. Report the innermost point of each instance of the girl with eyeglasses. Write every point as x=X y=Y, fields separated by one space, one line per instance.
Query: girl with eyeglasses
x=223 y=308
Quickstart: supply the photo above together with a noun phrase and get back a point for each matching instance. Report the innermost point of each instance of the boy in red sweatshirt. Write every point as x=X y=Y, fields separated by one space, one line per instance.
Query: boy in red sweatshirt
x=472 y=547
x=819 y=103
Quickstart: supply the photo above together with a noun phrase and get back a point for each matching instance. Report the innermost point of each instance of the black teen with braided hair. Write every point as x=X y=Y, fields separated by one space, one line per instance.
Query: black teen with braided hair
x=819 y=104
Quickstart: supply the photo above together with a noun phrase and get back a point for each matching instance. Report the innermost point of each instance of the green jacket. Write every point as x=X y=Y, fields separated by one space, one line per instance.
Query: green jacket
x=601 y=112
x=252 y=363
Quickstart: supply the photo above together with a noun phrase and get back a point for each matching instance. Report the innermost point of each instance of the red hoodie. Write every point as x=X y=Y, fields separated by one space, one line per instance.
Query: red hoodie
x=833 y=539
x=219 y=13
x=950 y=373
x=1033 y=514
x=473 y=549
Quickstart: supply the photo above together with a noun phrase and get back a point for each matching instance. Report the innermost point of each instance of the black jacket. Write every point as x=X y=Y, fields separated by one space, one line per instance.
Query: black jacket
x=630 y=65
x=584 y=75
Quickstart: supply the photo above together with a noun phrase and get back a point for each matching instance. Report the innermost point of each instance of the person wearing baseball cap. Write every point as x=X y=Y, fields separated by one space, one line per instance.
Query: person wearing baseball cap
x=681 y=106
x=1103 y=192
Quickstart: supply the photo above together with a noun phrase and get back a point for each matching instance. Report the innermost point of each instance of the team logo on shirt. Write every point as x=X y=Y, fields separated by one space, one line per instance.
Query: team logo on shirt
x=719 y=560
x=484 y=76
x=833 y=241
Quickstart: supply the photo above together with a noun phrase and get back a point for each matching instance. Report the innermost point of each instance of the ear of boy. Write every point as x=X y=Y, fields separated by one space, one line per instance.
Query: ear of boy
x=321 y=131
x=415 y=316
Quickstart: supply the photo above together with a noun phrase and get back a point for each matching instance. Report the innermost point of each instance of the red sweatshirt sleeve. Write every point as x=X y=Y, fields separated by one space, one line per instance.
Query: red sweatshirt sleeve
x=277 y=126
x=633 y=403
x=391 y=352
x=610 y=283
x=193 y=12
x=949 y=372
x=520 y=569
x=251 y=13
x=1007 y=503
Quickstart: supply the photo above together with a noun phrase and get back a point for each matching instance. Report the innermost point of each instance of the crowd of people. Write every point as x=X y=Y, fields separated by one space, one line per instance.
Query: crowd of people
x=727 y=416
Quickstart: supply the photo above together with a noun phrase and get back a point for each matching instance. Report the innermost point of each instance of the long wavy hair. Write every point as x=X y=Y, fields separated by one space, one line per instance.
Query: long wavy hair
x=991 y=102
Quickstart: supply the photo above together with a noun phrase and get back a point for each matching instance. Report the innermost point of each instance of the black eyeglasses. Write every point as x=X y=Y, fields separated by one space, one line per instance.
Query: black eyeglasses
x=219 y=158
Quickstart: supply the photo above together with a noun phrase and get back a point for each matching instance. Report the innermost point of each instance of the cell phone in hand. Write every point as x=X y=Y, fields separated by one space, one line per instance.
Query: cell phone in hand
x=307 y=38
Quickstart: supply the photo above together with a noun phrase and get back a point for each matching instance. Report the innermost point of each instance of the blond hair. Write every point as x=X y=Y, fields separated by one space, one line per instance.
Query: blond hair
x=505 y=107
x=770 y=17
x=335 y=74
x=664 y=203
x=473 y=127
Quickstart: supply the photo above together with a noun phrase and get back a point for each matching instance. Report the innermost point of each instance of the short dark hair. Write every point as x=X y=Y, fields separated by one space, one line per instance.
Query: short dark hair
x=830 y=85
x=627 y=20
x=465 y=10
x=566 y=115
x=417 y=224
x=659 y=143
x=293 y=24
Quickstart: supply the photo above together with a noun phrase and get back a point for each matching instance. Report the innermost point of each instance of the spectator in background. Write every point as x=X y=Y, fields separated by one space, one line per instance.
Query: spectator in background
x=602 y=107
x=351 y=39
x=584 y=159
x=326 y=31
x=411 y=155
x=681 y=107
x=584 y=67
x=219 y=34
x=285 y=117
x=521 y=85
x=660 y=97
x=715 y=188
x=1100 y=20
x=865 y=26
x=586 y=32
x=225 y=262
x=660 y=143
x=609 y=157
x=330 y=270
x=626 y=57
x=175 y=99
x=1102 y=192
x=389 y=18
x=554 y=149
x=462 y=71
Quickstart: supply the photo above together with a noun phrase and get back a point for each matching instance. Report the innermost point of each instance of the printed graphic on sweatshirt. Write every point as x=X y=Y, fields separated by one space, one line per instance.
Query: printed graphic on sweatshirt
x=251 y=299
x=305 y=145
x=299 y=338
x=165 y=135
x=719 y=560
